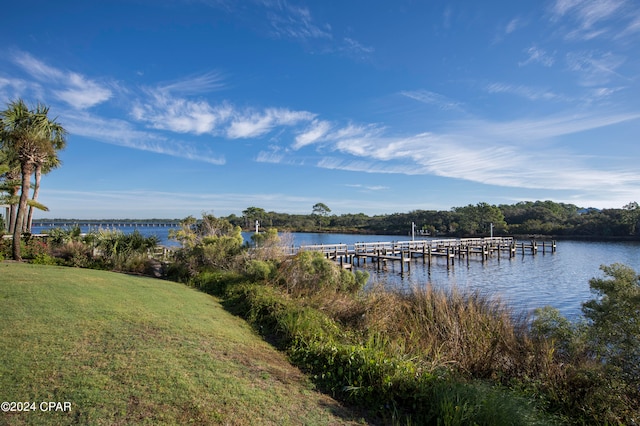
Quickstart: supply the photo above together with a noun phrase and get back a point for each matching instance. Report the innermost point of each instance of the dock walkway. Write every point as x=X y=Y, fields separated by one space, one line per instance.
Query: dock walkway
x=405 y=251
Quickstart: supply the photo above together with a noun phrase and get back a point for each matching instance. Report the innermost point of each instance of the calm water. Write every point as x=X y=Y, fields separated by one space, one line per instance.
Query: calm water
x=525 y=282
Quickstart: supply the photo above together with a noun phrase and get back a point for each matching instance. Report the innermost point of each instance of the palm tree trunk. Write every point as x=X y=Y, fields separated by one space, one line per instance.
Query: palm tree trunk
x=13 y=211
x=27 y=169
x=36 y=191
x=13 y=176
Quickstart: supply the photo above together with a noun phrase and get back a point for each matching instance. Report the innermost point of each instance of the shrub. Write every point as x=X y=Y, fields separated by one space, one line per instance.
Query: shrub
x=597 y=376
x=212 y=244
x=260 y=270
x=61 y=236
x=5 y=248
x=112 y=243
x=74 y=253
x=45 y=259
x=34 y=248
x=310 y=272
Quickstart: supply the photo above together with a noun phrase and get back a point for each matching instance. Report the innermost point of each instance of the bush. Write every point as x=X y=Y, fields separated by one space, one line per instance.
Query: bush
x=597 y=360
x=5 y=248
x=61 y=236
x=45 y=259
x=260 y=270
x=34 y=248
x=74 y=253
x=212 y=244
x=310 y=272
x=113 y=243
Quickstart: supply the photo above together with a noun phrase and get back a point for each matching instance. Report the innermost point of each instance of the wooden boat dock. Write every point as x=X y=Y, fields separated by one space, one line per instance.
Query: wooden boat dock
x=381 y=253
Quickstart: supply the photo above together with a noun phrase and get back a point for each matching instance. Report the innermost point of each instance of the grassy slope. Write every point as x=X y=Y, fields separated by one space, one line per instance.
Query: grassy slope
x=130 y=350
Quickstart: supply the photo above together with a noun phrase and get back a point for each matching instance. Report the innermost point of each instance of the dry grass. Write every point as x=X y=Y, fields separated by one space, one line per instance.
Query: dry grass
x=468 y=332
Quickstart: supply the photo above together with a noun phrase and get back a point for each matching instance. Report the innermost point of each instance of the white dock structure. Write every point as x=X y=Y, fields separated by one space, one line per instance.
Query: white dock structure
x=405 y=251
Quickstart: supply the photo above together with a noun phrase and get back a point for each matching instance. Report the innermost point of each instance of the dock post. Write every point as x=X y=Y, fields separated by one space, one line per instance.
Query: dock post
x=448 y=258
x=553 y=246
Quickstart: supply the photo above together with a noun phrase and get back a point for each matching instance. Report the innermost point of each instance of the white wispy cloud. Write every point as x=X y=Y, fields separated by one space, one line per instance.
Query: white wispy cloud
x=272 y=157
x=496 y=153
x=195 y=85
x=9 y=86
x=248 y=124
x=432 y=98
x=296 y=22
x=82 y=93
x=595 y=68
x=367 y=187
x=352 y=130
x=533 y=94
x=537 y=55
x=355 y=49
x=595 y=18
x=167 y=107
x=315 y=132
x=513 y=25
x=122 y=133
x=180 y=115
x=72 y=88
x=633 y=27
x=540 y=129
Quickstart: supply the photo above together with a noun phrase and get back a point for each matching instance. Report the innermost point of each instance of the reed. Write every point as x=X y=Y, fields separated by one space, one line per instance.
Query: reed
x=475 y=334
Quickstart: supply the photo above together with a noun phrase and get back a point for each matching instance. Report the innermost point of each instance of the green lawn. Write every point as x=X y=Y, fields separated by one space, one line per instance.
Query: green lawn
x=130 y=350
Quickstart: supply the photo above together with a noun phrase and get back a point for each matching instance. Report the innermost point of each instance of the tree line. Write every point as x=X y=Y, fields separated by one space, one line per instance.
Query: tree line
x=482 y=219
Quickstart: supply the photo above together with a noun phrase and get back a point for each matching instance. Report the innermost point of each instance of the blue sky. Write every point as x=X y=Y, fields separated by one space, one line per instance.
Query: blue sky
x=180 y=107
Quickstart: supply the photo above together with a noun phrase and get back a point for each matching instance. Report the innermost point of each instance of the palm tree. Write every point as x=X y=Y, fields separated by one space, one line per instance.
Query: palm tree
x=33 y=138
x=52 y=162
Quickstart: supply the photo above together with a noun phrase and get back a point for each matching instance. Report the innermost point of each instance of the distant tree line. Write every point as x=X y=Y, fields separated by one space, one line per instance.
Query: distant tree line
x=482 y=219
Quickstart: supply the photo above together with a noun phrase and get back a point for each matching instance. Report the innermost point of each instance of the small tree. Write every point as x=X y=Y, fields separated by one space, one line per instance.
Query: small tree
x=631 y=216
x=210 y=243
x=614 y=317
x=322 y=211
x=251 y=214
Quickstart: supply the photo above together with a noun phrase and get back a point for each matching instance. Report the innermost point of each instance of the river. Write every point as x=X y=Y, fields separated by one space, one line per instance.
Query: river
x=525 y=282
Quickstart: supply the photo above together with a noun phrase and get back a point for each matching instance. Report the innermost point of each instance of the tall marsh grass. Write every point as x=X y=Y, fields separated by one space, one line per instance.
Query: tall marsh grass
x=470 y=332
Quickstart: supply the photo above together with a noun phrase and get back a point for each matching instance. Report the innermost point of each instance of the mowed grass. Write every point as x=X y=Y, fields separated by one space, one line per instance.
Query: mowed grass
x=131 y=350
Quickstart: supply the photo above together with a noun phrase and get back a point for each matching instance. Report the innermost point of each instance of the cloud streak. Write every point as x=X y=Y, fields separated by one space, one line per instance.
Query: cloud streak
x=591 y=19
x=121 y=133
x=76 y=90
x=485 y=152
x=432 y=98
